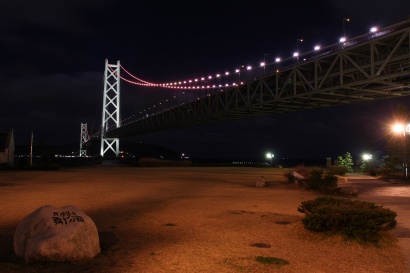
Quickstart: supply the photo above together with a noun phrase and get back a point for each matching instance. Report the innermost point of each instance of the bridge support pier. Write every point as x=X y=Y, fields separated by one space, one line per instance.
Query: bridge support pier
x=111 y=108
x=84 y=138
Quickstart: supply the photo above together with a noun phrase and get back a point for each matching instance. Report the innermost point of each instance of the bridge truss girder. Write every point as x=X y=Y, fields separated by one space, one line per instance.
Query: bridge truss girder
x=366 y=69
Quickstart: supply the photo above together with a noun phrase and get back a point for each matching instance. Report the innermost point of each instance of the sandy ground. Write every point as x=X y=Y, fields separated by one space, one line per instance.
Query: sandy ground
x=185 y=219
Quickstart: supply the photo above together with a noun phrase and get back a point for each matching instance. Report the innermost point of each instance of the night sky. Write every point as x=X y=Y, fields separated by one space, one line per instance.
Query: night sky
x=53 y=55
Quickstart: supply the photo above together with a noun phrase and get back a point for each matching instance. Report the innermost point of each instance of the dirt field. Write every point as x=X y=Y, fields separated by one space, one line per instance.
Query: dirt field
x=185 y=219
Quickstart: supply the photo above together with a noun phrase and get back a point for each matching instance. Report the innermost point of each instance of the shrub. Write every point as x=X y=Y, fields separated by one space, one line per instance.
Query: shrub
x=338 y=170
x=316 y=178
x=382 y=171
x=358 y=220
x=320 y=180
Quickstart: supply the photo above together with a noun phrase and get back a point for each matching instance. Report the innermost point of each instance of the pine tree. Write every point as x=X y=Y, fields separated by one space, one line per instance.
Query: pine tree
x=346 y=161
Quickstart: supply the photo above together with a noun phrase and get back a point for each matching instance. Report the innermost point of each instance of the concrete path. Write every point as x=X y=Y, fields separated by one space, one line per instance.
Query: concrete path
x=393 y=196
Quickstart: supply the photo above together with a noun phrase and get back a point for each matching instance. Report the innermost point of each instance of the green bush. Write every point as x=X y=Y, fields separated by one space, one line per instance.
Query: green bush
x=338 y=170
x=316 y=178
x=320 y=180
x=358 y=220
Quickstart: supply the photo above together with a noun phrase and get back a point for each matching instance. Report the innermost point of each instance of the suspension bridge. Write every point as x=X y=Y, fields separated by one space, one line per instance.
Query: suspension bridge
x=372 y=66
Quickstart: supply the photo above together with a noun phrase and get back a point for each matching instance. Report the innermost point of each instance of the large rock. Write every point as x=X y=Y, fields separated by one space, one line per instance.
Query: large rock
x=298 y=178
x=56 y=234
x=261 y=182
x=297 y=175
x=341 y=179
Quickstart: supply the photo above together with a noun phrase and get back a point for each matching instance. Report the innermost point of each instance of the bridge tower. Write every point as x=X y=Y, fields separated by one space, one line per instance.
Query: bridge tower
x=111 y=108
x=84 y=138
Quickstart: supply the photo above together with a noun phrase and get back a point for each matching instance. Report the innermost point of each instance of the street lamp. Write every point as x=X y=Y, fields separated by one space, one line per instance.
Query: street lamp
x=297 y=48
x=345 y=20
x=270 y=156
x=367 y=157
x=401 y=129
x=264 y=62
x=366 y=162
x=239 y=73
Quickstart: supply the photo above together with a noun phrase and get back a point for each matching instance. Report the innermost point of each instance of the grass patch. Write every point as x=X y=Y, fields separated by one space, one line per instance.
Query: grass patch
x=271 y=260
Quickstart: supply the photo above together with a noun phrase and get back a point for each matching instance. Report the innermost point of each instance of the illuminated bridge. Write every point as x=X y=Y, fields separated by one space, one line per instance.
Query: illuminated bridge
x=372 y=66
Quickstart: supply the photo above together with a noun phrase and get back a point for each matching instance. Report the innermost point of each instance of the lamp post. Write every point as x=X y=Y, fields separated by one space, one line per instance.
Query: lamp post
x=345 y=20
x=239 y=73
x=401 y=129
x=264 y=62
x=297 y=47
x=270 y=156
x=366 y=161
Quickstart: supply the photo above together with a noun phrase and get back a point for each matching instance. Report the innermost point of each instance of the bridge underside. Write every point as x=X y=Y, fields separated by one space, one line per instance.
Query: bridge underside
x=367 y=68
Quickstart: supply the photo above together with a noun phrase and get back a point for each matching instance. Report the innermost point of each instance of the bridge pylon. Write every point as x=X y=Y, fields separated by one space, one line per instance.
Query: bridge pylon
x=84 y=138
x=111 y=108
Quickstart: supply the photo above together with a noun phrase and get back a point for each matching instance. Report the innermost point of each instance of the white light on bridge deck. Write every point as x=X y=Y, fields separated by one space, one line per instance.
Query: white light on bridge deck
x=277 y=60
x=342 y=40
x=316 y=48
x=374 y=29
